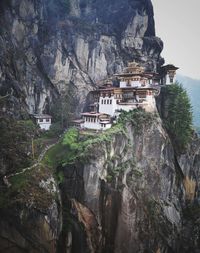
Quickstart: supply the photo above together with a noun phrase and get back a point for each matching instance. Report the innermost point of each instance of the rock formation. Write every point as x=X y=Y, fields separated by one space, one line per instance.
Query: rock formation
x=50 y=47
x=139 y=192
x=128 y=191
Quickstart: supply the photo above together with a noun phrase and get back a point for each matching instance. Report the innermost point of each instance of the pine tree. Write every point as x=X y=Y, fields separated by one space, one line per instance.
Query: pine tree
x=179 y=120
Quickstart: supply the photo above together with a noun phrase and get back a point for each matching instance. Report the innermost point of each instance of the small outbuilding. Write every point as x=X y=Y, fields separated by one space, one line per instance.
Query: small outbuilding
x=96 y=121
x=79 y=123
x=43 y=120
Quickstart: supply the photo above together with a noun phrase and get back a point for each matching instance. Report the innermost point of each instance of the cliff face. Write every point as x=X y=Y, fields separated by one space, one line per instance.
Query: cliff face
x=129 y=192
x=135 y=194
x=30 y=211
x=121 y=191
x=49 y=48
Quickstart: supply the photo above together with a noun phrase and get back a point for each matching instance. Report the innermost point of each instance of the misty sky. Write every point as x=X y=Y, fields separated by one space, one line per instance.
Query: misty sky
x=178 y=25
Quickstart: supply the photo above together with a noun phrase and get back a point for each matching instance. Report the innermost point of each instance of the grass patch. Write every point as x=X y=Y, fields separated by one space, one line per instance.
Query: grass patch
x=54 y=155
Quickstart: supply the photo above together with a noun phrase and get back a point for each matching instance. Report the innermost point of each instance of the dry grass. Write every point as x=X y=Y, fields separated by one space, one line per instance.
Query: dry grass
x=190 y=186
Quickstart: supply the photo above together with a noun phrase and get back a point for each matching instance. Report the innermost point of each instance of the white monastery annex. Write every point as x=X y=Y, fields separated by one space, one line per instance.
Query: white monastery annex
x=43 y=120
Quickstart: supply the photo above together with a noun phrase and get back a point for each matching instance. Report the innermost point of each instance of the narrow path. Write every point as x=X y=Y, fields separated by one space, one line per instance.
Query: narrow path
x=41 y=156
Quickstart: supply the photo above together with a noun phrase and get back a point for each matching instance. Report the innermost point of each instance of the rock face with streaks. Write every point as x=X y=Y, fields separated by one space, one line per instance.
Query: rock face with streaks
x=132 y=193
x=142 y=196
x=50 y=47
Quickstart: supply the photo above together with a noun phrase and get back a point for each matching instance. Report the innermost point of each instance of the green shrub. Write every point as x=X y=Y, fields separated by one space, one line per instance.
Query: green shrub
x=54 y=156
x=54 y=131
x=138 y=118
x=60 y=177
x=71 y=138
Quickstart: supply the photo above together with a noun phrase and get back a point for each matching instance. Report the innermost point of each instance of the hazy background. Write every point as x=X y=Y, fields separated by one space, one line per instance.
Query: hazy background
x=178 y=25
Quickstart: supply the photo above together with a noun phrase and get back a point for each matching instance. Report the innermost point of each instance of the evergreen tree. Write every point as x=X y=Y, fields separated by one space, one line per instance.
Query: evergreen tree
x=62 y=110
x=179 y=119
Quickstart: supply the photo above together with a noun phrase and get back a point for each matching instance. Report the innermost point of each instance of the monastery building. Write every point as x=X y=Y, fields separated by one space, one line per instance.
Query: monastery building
x=133 y=88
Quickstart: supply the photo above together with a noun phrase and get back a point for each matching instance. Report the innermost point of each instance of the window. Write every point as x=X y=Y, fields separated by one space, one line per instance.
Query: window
x=47 y=120
x=104 y=101
x=110 y=101
x=142 y=96
x=104 y=125
x=40 y=120
x=107 y=101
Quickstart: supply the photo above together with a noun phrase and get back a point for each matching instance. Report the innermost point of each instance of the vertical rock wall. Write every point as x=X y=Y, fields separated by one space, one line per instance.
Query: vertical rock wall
x=142 y=197
x=50 y=47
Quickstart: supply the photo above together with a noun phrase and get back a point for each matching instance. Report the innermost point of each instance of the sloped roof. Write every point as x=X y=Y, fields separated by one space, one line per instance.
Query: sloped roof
x=42 y=116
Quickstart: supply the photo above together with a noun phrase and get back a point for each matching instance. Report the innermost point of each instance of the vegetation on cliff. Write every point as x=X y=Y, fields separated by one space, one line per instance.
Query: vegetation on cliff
x=179 y=118
x=15 y=142
x=77 y=145
x=34 y=188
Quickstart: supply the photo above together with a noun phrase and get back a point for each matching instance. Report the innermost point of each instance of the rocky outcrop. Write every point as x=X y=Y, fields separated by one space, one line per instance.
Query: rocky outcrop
x=137 y=190
x=51 y=47
x=31 y=216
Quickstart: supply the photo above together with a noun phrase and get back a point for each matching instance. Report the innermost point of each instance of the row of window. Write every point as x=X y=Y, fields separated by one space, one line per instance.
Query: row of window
x=94 y=120
x=41 y=120
x=133 y=79
x=105 y=95
x=106 y=101
x=90 y=119
x=118 y=95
